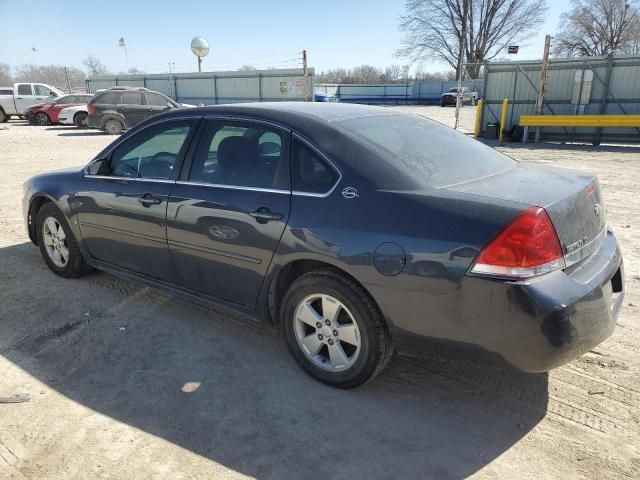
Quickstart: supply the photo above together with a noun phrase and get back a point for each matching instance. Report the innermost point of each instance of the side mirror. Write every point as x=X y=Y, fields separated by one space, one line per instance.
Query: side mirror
x=97 y=167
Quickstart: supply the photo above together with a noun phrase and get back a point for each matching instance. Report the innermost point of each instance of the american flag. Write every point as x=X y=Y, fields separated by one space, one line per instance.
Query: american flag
x=121 y=42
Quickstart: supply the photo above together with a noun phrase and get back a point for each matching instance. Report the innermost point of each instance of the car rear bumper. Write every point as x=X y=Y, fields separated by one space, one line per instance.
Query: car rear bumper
x=535 y=325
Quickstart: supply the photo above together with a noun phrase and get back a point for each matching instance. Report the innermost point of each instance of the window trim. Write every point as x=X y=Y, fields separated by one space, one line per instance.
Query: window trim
x=124 y=138
x=183 y=177
x=306 y=142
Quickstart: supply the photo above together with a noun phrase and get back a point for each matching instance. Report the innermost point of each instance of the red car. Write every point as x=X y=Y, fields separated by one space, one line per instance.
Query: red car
x=47 y=113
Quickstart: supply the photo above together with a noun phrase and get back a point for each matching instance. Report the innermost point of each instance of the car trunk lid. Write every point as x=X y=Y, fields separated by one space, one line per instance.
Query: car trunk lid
x=572 y=200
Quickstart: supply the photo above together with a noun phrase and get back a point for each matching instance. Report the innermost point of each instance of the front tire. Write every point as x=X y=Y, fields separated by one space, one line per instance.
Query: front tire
x=334 y=330
x=3 y=117
x=42 y=119
x=57 y=244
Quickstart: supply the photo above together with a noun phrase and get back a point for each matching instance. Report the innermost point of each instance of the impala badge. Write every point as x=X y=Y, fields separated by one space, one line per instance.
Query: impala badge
x=349 y=192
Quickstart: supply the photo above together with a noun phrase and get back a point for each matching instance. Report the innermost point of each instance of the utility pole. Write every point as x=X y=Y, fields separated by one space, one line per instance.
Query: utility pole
x=66 y=73
x=305 y=73
x=543 y=82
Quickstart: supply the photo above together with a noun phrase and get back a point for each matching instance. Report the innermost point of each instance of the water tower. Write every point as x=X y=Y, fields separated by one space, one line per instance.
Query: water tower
x=200 y=48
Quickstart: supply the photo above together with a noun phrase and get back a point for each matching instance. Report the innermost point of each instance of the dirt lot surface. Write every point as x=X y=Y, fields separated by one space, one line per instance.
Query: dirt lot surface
x=126 y=382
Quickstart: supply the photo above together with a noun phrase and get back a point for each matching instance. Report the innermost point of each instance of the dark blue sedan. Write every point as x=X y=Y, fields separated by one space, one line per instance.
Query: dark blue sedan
x=359 y=230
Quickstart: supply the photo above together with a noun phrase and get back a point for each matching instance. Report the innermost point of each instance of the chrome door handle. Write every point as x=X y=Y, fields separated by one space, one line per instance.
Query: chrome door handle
x=264 y=215
x=148 y=200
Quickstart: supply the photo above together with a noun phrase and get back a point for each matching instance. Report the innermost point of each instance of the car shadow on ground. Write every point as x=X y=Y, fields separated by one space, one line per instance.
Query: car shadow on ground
x=83 y=133
x=228 y=390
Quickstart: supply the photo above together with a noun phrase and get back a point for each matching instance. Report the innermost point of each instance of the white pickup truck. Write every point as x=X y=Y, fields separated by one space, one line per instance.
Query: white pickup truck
x=16 y=100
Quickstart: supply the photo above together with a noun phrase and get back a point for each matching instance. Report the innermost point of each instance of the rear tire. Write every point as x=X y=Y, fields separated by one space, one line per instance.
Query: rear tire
x=348 y=328
x=42 y=119
x=80 y=120
x=113 y=127
x=57 y=244
x=3 y=117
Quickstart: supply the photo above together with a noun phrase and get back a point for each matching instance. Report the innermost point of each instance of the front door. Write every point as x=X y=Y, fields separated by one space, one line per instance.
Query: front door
x=227 y=215
x=122 y=209
x=131 y=107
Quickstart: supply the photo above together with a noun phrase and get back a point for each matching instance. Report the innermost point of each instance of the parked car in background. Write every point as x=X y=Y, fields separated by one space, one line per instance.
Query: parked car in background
x=74 y=116
x=47 y=113
x=304 y=215
x=120 y=108
x=466 y=97
x=17 y=100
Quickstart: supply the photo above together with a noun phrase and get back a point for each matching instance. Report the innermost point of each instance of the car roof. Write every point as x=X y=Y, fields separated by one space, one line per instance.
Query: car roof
x=287 y=112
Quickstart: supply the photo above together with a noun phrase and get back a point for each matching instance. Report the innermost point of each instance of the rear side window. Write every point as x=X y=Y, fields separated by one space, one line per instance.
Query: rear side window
x=130 y=99
x=241 y=155
x=24 y=90
x=6 y=92
x=109 y=98
x=309 y=173
x=434 y=154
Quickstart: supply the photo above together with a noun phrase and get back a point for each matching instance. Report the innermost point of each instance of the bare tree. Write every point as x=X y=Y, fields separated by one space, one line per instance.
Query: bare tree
x=434 y=76
x=599 y=27
x=6 y=79
x=365 y=74
x=94 y=66
x=456 y=31
x=52 y=74
x=247 y=68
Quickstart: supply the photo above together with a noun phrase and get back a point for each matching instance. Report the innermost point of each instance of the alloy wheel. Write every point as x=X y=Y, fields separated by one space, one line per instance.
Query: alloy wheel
x=327 y=332
x=55 y=242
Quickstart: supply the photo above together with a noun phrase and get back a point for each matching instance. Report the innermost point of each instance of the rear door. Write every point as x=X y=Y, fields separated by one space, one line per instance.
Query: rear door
x=122 y=208
x=131 y=107
x=24 y=97
x=228 y=212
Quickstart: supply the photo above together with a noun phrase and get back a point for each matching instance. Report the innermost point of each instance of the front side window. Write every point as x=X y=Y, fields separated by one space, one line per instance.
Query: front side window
x=236 y=154
x=24 y=90
x=66 y=100
x=42 y=91
x=157 y=100
x=130 y=99
x=308 y=172
x=152 y=153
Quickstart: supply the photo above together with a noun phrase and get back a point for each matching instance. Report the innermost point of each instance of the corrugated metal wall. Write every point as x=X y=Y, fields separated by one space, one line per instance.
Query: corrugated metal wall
x=211 y=88
x=582 y=86
x=413 y=92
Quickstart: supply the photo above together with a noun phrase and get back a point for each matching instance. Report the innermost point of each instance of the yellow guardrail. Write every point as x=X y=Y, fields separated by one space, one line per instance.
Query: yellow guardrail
x=620 y=121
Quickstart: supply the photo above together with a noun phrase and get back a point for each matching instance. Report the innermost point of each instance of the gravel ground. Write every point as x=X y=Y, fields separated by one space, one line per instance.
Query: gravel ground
x=128 y=382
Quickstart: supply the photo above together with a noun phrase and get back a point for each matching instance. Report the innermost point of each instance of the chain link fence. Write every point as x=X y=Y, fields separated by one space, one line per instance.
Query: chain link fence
x=580 y=86
x=469 y=91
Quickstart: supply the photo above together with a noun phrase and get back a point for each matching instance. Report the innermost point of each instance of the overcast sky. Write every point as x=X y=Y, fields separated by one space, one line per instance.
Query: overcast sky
x=335 y=33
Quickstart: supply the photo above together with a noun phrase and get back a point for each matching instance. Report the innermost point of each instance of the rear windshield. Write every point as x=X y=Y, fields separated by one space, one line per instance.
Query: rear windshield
x=433 y=153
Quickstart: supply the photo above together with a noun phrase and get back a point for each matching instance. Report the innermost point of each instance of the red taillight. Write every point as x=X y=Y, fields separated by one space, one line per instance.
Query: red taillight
x=91 y=109
x=528 y=246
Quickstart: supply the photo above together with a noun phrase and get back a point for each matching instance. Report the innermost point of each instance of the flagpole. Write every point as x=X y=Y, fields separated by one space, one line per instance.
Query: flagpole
x=126 y=57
